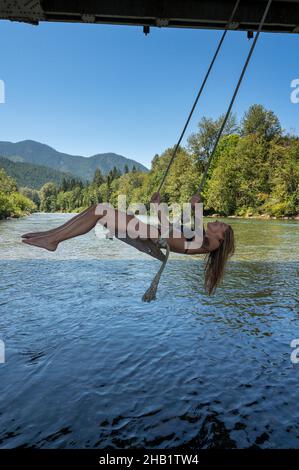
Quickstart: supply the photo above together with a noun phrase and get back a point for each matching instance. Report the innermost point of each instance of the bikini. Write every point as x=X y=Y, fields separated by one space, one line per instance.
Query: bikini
x=189 y=239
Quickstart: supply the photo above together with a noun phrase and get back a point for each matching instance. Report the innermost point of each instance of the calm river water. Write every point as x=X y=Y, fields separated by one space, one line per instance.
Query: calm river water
x=89 y=365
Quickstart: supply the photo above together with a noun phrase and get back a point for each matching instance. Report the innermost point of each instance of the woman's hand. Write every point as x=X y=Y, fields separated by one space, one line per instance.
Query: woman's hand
x=156 y=198
x=195 y=199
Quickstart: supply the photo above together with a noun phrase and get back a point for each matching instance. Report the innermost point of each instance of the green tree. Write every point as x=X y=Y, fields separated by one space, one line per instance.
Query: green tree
x=31 y=194
x=201 y=143
x=130 y=185
x=283 y=179
x=261 y=122
x=48 y=197
x=7 y=184
x=222 y=187
x=12 y=203
x=98 y=178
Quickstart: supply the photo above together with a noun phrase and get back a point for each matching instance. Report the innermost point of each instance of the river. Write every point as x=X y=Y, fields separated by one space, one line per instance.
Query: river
x=89 y=365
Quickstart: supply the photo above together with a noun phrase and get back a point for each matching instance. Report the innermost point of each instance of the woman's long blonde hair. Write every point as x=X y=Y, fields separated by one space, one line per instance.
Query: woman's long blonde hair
x=216 y=261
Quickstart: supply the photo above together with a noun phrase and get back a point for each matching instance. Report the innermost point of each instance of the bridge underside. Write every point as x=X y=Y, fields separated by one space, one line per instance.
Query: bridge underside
x=209 y=14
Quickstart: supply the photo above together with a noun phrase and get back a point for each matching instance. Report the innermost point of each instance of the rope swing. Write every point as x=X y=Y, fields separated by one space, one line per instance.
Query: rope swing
x=151 y=292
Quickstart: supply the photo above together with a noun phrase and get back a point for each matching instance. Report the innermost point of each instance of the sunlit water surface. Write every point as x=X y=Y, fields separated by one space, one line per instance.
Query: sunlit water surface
x=89 y=365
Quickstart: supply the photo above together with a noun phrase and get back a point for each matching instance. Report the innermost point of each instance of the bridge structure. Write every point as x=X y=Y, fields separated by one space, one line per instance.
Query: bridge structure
x=283 y=16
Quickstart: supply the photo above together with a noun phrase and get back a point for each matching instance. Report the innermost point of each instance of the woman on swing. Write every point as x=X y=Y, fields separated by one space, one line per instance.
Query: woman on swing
x=217 y=243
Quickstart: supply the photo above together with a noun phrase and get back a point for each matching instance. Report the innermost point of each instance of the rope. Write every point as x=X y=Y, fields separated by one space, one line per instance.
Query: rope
x=204 y=177
x=150 y=294
x=199 y=94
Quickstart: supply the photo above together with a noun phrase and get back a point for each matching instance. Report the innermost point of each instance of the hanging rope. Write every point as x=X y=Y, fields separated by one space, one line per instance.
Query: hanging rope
x=150 y=294
x=204 y=176
x=199 y=94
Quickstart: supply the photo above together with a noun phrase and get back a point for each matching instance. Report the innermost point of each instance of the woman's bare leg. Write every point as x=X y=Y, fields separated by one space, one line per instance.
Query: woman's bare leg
x=78 y=225
x=38 y=234
x=81 y=224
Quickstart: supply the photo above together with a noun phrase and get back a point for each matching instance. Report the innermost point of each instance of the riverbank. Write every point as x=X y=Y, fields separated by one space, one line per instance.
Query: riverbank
x=262 y=217
x=211 y=216
x=17 y=216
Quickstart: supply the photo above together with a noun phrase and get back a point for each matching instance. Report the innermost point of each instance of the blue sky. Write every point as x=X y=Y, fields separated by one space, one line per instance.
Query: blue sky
x=86 y=89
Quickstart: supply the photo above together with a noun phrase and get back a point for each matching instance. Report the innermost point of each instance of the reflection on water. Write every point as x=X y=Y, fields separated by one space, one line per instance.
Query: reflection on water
x=90 y=365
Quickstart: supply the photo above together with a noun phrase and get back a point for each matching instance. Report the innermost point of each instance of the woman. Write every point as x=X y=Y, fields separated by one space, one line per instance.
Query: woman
x=217 y=244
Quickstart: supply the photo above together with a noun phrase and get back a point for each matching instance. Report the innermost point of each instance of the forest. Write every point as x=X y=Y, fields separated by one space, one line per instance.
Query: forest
x=255 y=172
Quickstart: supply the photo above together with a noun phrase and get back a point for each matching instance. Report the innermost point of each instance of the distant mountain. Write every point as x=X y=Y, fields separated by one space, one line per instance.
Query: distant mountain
x=30 y=175
x=30 y=151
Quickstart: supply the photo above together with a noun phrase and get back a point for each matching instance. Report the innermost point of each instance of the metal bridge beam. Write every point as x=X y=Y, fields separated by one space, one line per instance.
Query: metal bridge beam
x=209 y=14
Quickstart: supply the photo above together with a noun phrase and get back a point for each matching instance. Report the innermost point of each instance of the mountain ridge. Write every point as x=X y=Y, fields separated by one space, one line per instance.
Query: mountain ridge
x=31 y=151
x=31 y=175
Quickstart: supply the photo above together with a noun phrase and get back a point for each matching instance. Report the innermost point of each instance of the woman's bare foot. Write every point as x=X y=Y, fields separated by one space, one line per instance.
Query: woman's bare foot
x=41 y=242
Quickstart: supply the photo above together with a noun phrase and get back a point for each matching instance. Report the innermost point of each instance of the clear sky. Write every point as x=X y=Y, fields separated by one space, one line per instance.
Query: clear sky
x=87 y=89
